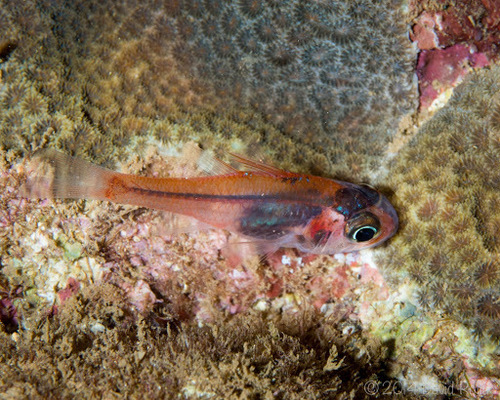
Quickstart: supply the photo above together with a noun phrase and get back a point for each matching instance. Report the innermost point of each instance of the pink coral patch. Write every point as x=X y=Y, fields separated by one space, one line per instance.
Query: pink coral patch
x=439 y=70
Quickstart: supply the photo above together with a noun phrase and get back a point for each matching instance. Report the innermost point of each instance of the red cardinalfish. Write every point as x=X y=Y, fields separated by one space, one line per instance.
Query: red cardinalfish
x=267 y=206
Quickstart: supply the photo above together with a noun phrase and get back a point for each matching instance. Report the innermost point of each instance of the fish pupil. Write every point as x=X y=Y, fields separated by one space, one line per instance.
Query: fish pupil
x=364 y=233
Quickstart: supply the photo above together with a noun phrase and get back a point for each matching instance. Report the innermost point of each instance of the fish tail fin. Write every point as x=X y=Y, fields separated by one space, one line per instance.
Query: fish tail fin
x=52 y=174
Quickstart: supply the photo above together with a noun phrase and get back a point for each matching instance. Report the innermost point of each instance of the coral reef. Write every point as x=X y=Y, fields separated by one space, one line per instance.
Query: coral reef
x=127 y=82
x=447 y=184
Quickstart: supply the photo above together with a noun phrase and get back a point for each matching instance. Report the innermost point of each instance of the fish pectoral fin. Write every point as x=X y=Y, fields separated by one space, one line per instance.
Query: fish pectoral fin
x=238 y=249
x=258 y=165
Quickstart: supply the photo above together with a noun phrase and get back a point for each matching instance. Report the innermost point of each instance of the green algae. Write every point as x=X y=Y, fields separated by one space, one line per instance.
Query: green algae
x=72 y=250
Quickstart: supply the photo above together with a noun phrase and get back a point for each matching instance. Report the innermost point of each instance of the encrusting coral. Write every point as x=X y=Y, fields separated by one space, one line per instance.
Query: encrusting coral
x=447 y=185
x=336 y=77
x=341 y=68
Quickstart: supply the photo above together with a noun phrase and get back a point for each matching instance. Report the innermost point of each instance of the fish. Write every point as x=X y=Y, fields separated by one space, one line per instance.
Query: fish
x=269 y=207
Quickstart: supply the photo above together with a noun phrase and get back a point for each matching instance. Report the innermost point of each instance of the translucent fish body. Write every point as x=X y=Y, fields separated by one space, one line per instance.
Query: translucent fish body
x=267 y=206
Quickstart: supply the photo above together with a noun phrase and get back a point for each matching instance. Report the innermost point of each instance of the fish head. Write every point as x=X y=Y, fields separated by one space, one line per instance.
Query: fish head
x=357 y=217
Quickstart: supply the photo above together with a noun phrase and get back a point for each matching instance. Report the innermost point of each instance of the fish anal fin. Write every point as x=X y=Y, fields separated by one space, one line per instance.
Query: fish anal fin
x=175 y=224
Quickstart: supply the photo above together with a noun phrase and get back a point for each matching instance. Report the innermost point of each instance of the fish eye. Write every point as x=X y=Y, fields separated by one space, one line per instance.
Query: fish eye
x=362 y=227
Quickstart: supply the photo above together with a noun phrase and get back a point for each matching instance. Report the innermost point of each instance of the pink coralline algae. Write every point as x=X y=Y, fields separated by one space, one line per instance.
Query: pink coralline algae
x=193 y=266
x=474 y=22
x=439 y=69
x=424 y=32
x=72 y=287
x=452 y=42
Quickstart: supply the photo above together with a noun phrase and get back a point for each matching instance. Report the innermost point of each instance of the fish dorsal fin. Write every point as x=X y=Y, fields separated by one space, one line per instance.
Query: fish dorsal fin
x=211 y=165
x=206 y=161
x=258 y=166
